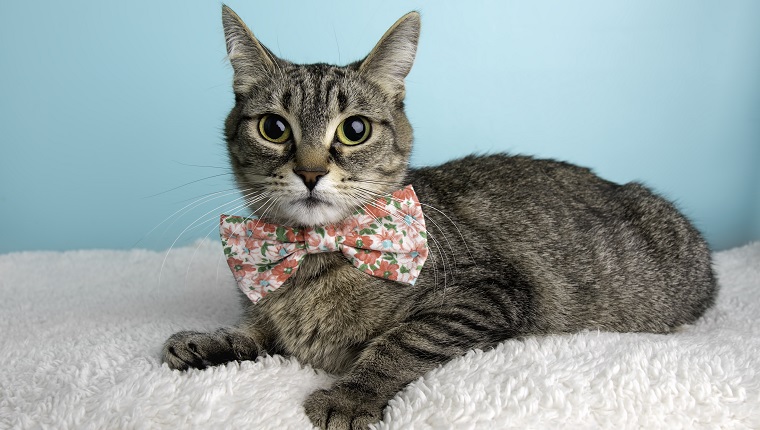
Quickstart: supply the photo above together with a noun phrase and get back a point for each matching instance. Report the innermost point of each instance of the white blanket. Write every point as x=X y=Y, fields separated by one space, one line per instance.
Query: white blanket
x=81 y=332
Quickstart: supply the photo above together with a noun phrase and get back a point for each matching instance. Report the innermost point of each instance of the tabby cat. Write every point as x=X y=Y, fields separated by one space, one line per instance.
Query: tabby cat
x=518 y=246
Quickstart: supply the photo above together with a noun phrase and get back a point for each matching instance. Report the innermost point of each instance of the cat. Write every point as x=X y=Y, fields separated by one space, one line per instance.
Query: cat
x=518 y=246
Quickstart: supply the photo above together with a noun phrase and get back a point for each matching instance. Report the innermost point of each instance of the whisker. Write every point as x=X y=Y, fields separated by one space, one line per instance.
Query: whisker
x=461 y=236
x=431 y=219
x=444 y=259
x=193 y=224
x=215 y=227
x=380 y=182
x=205 y=167
x=218 y=263
x=189 y=183
x=185 y=209
x=431 y=254
x=234 y=190
x=267 y=210
x=266 y=206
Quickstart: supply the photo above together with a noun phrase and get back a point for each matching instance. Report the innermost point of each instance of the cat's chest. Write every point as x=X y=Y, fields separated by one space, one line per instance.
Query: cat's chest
x=328 y=311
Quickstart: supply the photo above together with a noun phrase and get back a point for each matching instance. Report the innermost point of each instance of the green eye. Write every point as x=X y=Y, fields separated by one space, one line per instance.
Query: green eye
x=274 y=128
x=354 y=130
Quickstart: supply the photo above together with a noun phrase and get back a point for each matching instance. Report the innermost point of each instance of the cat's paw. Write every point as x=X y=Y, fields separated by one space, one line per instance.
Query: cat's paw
x=188 y=349
x=339 y=410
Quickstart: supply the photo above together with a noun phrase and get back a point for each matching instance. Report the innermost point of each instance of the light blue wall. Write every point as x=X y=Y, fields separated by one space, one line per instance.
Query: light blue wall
x=105 y=104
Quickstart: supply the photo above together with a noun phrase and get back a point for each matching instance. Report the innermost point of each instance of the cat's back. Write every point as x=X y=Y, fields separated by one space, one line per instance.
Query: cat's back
x=519 y=192
x=618 y=256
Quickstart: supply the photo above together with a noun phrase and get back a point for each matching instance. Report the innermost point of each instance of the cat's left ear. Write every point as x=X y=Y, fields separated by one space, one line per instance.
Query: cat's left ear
x=392 y=58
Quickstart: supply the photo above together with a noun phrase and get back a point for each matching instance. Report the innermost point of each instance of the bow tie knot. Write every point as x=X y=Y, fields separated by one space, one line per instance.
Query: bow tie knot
x=319 y=239
x=386 y=238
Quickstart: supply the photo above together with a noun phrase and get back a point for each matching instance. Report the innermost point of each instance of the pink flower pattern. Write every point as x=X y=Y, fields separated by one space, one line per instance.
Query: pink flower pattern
x=386 y=238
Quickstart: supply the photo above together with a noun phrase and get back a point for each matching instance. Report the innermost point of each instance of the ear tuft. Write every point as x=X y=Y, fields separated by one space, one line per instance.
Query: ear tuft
x=249 y=58
x=392 y=58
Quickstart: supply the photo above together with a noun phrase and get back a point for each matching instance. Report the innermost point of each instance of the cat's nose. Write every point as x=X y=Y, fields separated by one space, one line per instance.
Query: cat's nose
x=310 y=176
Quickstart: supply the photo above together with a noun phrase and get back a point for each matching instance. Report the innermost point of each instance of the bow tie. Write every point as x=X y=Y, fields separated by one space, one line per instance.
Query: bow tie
x=385 y=238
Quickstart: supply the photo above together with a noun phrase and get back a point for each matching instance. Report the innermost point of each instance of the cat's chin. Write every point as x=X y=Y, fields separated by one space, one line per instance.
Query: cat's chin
x=312 y=211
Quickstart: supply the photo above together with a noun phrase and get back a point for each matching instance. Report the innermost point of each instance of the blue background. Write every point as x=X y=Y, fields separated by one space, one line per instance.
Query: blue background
x=106 y=106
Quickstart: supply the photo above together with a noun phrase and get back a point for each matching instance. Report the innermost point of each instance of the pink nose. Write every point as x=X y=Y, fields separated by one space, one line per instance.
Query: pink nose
x=310 y=177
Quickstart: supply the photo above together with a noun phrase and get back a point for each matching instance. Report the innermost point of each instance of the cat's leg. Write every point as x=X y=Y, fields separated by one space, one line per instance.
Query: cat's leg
x=198 y=350
x=386 y=366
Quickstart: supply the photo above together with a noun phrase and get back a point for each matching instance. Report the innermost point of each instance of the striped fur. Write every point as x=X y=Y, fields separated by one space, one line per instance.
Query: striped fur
x=519 y=246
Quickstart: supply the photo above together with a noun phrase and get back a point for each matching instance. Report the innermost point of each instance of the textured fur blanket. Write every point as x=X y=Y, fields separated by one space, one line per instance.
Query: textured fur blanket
x=81 y=332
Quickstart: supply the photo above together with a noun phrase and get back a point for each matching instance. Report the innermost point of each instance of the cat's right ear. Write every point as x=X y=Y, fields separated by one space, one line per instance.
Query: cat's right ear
x=249 y=58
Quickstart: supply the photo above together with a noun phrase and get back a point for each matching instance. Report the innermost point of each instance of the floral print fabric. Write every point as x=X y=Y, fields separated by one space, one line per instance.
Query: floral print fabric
x=386 y=238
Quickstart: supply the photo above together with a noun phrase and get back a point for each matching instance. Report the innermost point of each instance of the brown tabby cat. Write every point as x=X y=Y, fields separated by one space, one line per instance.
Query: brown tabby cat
x=519 y=246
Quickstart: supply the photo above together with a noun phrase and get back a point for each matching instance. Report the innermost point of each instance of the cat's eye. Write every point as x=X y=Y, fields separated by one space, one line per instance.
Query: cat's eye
x=274 y=128
x=354 y=130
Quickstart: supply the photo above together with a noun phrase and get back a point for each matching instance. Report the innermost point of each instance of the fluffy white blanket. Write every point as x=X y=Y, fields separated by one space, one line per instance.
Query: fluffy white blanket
x=81 y=334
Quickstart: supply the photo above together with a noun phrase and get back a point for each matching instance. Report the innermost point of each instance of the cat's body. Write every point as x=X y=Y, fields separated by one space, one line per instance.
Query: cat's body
x=518 y=246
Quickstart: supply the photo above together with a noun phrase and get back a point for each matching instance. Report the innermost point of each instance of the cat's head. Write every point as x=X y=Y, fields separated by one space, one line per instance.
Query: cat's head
x=309 y=144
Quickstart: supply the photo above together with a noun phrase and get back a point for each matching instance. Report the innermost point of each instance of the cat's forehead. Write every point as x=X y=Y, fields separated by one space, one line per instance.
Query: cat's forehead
x=316 y=72
x=310 y=90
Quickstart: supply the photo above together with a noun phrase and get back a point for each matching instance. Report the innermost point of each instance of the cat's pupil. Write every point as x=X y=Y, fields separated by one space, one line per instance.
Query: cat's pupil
x=353 y=128
x=274 y=127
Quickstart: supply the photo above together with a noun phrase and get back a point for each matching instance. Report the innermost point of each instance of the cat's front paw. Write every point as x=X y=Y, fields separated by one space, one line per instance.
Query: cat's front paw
x=188 y=349
x=337 y=409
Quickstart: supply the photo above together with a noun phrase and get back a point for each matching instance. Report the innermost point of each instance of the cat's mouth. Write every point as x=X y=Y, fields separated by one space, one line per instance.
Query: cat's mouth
x=314 y=204
x=312 y=201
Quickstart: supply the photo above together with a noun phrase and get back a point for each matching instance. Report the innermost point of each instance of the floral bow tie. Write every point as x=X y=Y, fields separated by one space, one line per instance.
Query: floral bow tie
x=386 y=238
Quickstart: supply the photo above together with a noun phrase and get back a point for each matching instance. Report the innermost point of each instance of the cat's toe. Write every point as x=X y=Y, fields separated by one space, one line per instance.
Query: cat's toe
x=336 y=410
x=188 y=349
x=181 y=353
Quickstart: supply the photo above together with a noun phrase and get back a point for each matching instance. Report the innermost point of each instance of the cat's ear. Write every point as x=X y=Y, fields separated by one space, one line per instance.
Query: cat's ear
x=392 y=58
x=249 y=58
